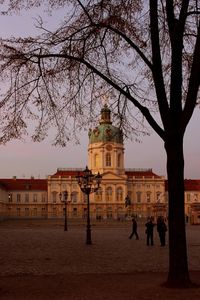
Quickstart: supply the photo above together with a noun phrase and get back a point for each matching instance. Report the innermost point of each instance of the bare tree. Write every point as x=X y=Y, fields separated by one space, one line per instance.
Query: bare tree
x=145 y=54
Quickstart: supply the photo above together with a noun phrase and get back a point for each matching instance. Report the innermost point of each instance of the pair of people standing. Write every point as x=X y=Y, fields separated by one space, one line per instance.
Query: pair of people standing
x=161 y=229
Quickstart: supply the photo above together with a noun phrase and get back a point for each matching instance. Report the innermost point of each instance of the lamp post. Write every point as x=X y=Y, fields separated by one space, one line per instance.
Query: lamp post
x=88 y=183
x=65 y=194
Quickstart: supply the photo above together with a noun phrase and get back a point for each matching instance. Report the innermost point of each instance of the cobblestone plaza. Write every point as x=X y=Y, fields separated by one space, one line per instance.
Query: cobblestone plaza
x=39 y=260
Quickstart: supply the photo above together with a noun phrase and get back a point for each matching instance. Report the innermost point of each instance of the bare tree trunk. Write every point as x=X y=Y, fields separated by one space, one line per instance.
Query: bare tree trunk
x=178 y=265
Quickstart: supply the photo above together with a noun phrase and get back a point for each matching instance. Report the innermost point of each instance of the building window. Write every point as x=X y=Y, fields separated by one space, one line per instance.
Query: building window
x=109 y=194
x=74 y=212
x=188 y=197
x=119 y=160
x=18 y=197
x=64 y=186
x=35 y=211
x=109 y=213
x=18 y=211
x=26 y=197
x=108 y=160
x=54 y=194
x=43 y=198
x=27 y=211
x=98 y=195
x=138 y=195
x=10 y=197
x=74 y=197
x=119 y=194
x=96 y=160
x=34 y=197
x=43 y=211
x=148 y=197
x=99 y=213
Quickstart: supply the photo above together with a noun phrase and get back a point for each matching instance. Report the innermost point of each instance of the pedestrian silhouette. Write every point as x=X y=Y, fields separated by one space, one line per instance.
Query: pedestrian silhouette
x=149 y=231
x=134 y=229
x=162 y=229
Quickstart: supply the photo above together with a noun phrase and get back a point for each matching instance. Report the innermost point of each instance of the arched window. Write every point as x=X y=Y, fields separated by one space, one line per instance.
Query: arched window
x=119 y=194
x=96 y=160
x=108 y=160
x=109 y=194
x=98 y=195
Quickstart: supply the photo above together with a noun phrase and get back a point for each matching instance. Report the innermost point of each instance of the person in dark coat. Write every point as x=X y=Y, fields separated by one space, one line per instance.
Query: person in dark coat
x=162 y=229
x=134 y=229
x=149 y=231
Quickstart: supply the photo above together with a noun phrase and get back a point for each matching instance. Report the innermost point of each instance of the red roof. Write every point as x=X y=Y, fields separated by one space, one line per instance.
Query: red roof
x=140 y=173
x=67 y=173
x=24 y=184
x=190 y=185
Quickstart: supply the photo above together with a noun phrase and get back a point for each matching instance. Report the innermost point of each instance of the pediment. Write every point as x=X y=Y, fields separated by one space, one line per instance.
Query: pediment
x=109 y=175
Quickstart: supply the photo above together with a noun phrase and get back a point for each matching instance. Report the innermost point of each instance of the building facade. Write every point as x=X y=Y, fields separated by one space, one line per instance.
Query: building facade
x=145 y=191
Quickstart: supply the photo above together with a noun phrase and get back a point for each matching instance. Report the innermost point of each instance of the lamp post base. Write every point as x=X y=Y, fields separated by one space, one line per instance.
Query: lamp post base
x=88 y=236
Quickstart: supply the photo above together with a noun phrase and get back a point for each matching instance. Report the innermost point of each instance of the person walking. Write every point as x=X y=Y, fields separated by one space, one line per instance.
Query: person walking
x=161 y=229
x=149 y=231
x=134 y=229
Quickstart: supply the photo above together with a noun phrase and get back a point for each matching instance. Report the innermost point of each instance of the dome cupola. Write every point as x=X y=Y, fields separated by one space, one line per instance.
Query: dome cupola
x=105 y=132
x=106 y=149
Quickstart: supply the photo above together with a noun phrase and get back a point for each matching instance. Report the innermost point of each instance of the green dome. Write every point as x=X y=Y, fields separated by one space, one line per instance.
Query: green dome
x=105 y=132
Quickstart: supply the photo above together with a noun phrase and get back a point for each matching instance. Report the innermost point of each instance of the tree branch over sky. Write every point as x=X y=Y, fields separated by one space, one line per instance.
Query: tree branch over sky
x=143 y=54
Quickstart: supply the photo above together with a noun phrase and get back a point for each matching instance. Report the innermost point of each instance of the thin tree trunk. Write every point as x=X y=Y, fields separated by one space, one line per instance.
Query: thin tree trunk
x=178 y=265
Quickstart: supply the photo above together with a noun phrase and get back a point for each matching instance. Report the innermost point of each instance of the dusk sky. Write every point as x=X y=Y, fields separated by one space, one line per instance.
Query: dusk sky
x=25 y=158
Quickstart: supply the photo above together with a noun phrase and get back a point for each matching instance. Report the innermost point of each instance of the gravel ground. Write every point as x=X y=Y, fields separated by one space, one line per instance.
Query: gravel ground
x=39 y=260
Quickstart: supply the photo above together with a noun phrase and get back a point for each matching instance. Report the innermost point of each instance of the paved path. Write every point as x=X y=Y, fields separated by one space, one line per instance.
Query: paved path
x=39 y=260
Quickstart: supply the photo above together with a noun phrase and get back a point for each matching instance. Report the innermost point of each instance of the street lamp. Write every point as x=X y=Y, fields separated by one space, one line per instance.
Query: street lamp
x=88 y=183
x=65 y=194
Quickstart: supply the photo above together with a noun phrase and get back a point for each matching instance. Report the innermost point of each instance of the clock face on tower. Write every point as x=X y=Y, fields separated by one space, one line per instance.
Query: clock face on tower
x=109 y=147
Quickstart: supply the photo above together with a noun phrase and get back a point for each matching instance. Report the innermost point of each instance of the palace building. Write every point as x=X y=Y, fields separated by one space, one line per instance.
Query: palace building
x=122 y=193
